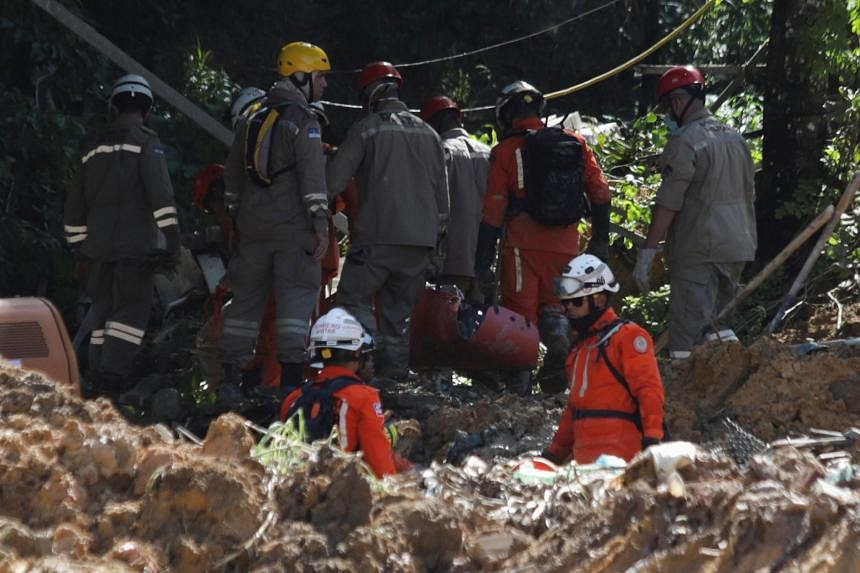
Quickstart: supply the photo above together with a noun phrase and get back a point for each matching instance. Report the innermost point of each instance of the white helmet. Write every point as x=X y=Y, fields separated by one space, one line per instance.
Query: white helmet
x=585 y=275
x=132 y=84
x=243 y=101
x=337 y=330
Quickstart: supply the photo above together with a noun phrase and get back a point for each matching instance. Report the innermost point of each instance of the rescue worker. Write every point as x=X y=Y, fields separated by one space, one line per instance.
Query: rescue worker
x=120 y=199
x=533 y=254
x=208 y=196
x=705 y=204
x=616 y=394
x=399 y=168
x=283 y=227
x=341 y=346
x=467 y=163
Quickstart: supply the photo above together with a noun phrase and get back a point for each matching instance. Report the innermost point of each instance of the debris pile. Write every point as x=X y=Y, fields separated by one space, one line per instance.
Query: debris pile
x=80 y=488
x=767 y=388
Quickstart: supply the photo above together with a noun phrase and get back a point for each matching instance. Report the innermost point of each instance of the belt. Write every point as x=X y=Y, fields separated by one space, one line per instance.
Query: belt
x=632 y=417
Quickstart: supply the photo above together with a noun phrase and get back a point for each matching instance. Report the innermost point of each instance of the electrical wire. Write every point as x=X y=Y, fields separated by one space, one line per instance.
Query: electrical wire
x=508 y=42
x=596 y=79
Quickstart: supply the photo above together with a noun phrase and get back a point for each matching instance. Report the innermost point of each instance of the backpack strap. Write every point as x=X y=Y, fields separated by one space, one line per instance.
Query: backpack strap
x=280 y=109
x=610 y=330
x=312 y=393
x=635 y=417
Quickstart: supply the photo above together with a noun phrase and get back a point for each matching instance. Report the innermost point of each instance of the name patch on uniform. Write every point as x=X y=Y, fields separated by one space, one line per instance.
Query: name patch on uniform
x=314 y=133
x=640 y=344
x=377 y=407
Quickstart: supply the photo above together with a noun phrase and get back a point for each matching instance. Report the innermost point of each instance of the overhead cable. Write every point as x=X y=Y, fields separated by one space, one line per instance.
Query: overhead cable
x=599 y=78
x=508 y=42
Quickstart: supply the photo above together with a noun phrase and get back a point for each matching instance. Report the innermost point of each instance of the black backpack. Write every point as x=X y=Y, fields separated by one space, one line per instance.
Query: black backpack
x=553 y=169
x=258 y=144
x=317 y=405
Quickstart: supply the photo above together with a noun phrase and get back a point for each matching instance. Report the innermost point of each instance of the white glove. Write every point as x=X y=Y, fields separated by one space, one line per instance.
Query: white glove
x=642 y=270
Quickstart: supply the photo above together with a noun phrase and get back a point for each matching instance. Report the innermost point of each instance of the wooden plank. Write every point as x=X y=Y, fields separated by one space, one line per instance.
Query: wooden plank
x=132 y=66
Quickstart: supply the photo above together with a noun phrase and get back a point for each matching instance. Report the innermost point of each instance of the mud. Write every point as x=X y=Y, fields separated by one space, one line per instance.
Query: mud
x=767 y=388
x=81 y=489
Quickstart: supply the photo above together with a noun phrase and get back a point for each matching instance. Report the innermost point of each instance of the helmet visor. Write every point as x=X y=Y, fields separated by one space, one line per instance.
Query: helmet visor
x=568 y=287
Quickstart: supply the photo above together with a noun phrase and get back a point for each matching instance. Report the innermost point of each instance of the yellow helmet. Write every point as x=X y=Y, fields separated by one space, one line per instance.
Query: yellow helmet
x=302 y=57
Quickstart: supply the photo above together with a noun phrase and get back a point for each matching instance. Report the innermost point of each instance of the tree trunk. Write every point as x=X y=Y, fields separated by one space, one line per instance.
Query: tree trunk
x=794 y=125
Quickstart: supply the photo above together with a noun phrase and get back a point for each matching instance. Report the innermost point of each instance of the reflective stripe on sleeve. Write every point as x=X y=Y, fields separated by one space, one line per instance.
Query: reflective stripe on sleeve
x=520 y=177
x=76 y=229
x=342 y=435
x=76 y=238
x=159 y=213
x=167 y=222
x=111 y=149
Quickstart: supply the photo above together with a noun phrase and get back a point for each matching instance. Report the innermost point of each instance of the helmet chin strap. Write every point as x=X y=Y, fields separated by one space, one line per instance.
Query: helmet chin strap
x=305 y=84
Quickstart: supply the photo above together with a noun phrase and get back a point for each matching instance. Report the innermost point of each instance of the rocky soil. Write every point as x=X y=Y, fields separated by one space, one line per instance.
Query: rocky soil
x=83 y=490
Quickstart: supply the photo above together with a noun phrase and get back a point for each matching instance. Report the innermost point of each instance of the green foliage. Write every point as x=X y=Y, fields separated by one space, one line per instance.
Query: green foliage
x=649 y=310
x=628 y=158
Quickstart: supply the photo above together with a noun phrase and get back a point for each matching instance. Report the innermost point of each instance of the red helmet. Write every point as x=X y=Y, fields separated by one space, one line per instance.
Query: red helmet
x=378 y=71
x=680 y=77
x=203 y=184
x=439 y=103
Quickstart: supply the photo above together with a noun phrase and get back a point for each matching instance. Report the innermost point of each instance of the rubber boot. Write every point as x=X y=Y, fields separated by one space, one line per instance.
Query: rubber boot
x=230 y=395
x=519 y=382
x=100 y=383
x=292 y=376
x=554 y=331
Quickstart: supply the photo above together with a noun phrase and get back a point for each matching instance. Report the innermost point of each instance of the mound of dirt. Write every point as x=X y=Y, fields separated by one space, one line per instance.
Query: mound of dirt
x=81 y=489
x=767 y=388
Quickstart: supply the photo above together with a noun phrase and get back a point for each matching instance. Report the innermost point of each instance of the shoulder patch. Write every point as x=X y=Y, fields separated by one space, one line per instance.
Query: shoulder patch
x=377 y=407
x=157 y=148
x=640 y=344
x=314 y=133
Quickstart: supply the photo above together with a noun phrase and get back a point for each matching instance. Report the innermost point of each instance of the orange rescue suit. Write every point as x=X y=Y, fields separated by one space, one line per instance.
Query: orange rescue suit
x=595 y=391
x=359 y=418
x=533 y=254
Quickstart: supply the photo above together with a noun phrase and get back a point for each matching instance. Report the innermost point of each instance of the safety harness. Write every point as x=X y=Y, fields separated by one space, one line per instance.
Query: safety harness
x=316 y=402
x=635 y=417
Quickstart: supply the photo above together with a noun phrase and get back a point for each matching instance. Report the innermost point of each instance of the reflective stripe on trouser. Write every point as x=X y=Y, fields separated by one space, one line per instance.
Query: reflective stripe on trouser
x=257 y=269
x=122 y=299
x=394 y=276
x=698 y=293
x=528 y=280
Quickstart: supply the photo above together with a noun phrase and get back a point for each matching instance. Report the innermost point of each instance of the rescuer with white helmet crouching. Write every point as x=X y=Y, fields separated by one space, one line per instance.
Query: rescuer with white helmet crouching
x=616 y=394
x=339 y=396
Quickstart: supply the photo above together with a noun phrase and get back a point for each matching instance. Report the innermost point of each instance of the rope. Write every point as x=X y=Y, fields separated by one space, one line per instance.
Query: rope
x=586 y=84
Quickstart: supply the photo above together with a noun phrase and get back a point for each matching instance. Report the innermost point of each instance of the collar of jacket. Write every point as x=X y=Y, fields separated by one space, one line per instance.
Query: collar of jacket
x=284 y=90
x=390 y=105
x=127 y=120
x=332 y=372
x=533 y=122
x=454 y=133
x=697 y=116
x=606 y=318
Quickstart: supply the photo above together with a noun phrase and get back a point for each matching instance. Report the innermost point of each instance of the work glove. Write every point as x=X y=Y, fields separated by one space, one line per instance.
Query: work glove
x=599 y=244
x=642 y=270
x=485 y=254
x=548 y=455
x=648 y=442
x=321 y=235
